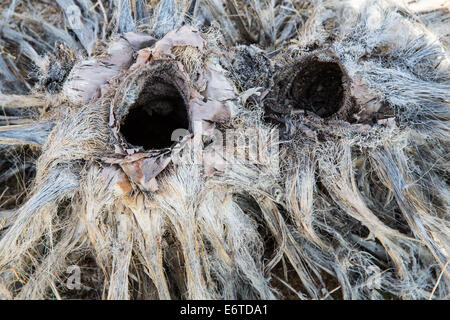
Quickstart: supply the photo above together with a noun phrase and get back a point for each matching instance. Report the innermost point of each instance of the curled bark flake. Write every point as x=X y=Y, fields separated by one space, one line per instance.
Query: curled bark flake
x=144 y=171
x=185 y=36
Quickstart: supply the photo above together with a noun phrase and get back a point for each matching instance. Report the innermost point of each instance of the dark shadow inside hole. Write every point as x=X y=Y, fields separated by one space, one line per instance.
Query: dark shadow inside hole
x=150 y=122
x=318 y=88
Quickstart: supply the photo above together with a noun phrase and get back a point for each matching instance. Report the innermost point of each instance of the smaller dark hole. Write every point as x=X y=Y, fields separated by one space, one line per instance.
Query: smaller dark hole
x=158 y=112
x=318 y=88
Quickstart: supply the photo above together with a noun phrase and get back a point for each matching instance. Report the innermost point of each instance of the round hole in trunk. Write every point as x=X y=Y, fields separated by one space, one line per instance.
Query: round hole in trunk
x=318 y=88
x=159 y=110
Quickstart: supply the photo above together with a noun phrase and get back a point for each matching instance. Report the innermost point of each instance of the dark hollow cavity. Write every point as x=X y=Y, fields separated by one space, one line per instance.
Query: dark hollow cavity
x=151 y=120
x=318 y=88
